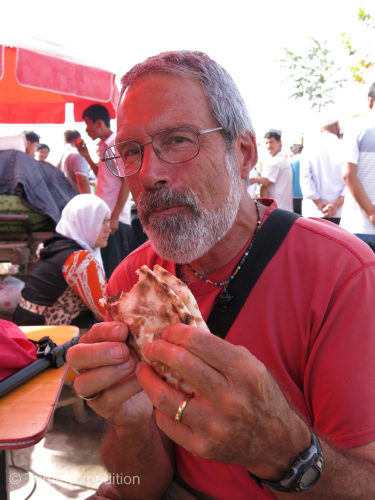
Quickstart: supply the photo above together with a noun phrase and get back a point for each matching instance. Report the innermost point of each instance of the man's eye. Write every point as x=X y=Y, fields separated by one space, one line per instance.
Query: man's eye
x=129 y=151
x=178 y=140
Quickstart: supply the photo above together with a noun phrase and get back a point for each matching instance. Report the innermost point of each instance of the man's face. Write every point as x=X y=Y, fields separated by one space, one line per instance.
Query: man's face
x=185 y=208
x=31 y=148
x=102 y=239
x=92 y=128
x=43 y=154
x=273 y=146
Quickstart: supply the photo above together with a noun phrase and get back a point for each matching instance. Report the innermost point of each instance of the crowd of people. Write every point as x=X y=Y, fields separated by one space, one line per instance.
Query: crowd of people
x=283 y=402
x=69 y=276
x=308 y=179
x=329 y=176
x=91 y=176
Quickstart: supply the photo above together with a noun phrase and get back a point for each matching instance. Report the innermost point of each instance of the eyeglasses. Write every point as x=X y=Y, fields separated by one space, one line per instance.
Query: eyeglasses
x=173 y=145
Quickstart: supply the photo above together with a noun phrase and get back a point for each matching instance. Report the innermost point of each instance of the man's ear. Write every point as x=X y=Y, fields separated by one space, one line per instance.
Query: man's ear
x=370 y=102
x=248 y=153
x=99 y=123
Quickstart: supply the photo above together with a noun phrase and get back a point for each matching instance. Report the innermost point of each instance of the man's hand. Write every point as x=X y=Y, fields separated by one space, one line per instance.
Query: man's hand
x=238 y=414
x=371 y=216
x=329 y=210
x=105 y=365
x=82 y=149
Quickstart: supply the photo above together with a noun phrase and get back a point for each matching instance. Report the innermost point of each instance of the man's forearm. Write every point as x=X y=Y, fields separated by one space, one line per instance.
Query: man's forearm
x=361 y=197
x=121 y=199
x=357 y=189
x=319 y=203
x=141 y=463
x=264 y=191
x=340 y=201
x=93 y=165
x=83 y=184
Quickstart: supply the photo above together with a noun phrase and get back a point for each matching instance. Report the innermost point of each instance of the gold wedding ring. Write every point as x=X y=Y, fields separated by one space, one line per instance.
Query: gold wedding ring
x=181 y=408
x=91 y=397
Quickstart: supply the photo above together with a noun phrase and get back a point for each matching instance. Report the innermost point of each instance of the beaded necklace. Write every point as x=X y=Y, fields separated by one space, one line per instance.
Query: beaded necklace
x=225 y=299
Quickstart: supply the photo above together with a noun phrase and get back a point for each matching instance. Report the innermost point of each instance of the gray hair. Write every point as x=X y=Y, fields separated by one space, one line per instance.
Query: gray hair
x=225 y=101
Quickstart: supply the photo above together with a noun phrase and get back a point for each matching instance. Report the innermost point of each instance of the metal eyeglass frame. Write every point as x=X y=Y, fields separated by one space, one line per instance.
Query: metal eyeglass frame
x=141 y=148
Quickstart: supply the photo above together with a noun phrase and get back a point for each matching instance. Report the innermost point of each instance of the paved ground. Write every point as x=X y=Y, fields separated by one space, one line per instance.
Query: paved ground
x=64 y=465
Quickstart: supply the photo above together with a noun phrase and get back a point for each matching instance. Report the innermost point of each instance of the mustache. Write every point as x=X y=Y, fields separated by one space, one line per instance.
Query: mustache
x=164 y=197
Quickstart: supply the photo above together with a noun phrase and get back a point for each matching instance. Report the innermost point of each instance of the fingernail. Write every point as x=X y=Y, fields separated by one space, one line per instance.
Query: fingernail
x=117 y=352
x=128 y=365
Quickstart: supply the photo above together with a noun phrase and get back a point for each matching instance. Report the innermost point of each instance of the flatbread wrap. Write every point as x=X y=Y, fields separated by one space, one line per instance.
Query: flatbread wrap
x=157 y=300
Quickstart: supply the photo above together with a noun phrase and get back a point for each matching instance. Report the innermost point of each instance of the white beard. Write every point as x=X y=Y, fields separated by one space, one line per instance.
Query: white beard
x=185 y=237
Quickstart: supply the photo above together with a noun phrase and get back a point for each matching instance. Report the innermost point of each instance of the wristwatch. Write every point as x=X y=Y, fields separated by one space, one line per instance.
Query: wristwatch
x=302 y=474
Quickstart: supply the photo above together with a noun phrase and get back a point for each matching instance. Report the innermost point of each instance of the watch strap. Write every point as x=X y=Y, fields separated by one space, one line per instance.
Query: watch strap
x=311 y=458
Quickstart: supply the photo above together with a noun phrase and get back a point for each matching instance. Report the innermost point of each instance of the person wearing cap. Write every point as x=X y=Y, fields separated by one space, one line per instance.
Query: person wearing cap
x=277 y=177
x=358 y=214
x=321 y=178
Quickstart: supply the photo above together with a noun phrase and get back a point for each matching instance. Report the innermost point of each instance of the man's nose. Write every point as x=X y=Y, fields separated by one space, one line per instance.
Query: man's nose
x=154 y=171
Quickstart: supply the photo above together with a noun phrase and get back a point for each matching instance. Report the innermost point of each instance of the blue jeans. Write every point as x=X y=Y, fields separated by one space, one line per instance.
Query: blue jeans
x=369 y=239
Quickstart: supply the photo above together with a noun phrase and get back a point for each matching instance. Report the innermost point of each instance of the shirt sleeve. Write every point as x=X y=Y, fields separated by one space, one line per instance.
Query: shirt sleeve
x=308 y=185
x=350 y=147
x=84 y=274
x=341 y=368
x=81 y=166
x=272 y=170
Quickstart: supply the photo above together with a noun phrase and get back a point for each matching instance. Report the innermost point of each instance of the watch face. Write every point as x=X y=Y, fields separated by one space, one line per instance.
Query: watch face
x=309 y=478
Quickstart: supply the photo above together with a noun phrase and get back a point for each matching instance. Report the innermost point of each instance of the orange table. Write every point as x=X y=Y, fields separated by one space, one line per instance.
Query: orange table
x=25 y=412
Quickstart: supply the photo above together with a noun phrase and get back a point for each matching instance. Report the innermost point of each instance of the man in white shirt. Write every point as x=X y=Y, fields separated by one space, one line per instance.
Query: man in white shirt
x=113 y=190
x=277 y=176
x=358 y=214
x=73 y=165
x=321 y=176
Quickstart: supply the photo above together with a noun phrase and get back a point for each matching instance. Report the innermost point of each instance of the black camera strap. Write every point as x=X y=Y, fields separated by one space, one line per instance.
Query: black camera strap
x=48 y=355
x=267 y=241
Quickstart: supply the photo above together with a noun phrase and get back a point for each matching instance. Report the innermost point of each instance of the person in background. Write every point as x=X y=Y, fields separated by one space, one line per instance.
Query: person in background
x=252 y=185
x=321 y=176
x=295 y=151
x=358 y=214
x=42 y=152
x=73 y=165
x=276 y=178
x=32 y=143
x=66 y=283
x=112 y=190
x=284 y=402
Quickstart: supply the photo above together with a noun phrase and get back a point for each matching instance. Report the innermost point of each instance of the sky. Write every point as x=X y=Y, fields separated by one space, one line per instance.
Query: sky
x=244 y=36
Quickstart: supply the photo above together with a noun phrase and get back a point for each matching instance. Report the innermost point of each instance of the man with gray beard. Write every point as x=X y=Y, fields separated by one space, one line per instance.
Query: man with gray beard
x=280 y=404
x=184 y=237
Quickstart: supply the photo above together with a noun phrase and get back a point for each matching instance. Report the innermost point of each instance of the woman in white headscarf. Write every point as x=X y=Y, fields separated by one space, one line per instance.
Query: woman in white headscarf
x=68 y=280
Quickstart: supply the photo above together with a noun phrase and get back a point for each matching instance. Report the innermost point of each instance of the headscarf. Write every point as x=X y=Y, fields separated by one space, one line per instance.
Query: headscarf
x=82 y=219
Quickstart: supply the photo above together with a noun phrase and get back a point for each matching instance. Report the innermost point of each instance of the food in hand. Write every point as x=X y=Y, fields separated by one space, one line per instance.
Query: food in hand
x=157 y=300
